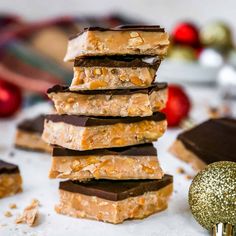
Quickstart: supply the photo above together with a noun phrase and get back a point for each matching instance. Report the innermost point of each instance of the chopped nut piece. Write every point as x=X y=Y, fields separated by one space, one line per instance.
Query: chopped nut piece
x=114 y=71
x=135 y=41
x=97 y=71
x=134 y=34
x=97 y=84
x=135 y=80
x=30 y=214
x=180 y=170
x=104 y=71
x=70 y=100
x=123 y=78
x=12 y=206
x=8 y=214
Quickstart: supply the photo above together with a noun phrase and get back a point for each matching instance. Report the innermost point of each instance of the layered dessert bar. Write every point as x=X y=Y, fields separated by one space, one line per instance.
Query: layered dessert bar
x=10 y=179
x=135 y=162
x=113 y=72
x=211 y=141
x=118 y=102
x=86 y=133
x=28 y=135
x=114 y=201
x=123 y=40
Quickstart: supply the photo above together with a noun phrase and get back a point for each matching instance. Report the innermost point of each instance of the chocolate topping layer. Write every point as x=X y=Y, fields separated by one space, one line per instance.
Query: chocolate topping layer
x=148 y=28
x=148 y=90
x=8 y=168
x=32 y=125
x=85 y=121
x=117 y=61
x=116 y=190
x=213 y=140
x=138 y=150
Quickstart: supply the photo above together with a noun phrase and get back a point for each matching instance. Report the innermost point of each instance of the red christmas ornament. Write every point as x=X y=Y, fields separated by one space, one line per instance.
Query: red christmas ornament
x=178 y=105
x=10 y=98
x=187 y=34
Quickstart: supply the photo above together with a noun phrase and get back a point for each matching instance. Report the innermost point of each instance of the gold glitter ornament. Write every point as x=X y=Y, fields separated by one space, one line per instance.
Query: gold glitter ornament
x=217 y=35
x=212 y=196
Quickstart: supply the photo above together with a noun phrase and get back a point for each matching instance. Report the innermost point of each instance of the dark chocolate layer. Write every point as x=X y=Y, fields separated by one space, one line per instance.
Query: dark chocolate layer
x=85 y=121
x=138 y=150
x=8 y=168
x=116 y=190
x=116 y=61
x=32 y=125
x=148 y=90
x=147 y=28
x=213 y=140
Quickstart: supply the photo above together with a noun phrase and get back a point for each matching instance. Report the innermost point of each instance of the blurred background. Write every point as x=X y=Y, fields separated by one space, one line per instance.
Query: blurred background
x=33 y=40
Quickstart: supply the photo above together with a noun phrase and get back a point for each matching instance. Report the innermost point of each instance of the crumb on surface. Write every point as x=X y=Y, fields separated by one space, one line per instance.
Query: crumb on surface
x=180 y=170
x=12 y=206
x=30 y=214
x=7 y=214
x=213 y=112
x=188 y=177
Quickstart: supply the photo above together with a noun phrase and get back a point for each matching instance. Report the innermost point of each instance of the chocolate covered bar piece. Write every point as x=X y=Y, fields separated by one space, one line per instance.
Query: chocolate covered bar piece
x=113 y=72
x=211 y=141
x=143 y=40
x=28 y=135
x=86 y=133
x=10 y=179
x=114 y=201
x=119 y=102
x=135 y=162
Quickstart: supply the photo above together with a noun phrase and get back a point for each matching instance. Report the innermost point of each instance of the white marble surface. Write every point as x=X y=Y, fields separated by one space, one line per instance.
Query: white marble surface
x=176 y=220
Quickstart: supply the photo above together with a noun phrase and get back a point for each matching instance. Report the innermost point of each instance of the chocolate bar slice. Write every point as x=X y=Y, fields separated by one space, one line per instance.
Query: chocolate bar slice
x=113 y=72
x=114 y=201
x=135 y=162
x=211 y=141
x=143 y=40
x=119 y=102
x=28 y=135
x=10 y=179
x=86 y=133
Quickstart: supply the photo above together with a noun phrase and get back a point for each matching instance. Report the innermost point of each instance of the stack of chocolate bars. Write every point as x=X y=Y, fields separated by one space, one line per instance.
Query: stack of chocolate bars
x=106 y=122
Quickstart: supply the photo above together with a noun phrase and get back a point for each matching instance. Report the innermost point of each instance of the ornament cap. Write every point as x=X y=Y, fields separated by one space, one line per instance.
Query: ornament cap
x=223 y=229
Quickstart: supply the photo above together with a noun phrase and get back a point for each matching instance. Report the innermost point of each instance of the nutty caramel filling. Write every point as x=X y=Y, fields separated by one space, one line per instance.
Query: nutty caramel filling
x=102 y=136
x=136 y=104
x=106 y=167
x=91 y=207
